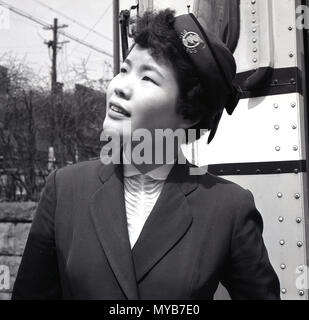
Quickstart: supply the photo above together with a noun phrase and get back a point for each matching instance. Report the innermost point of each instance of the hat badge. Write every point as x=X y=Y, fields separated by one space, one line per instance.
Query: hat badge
x=191 y=40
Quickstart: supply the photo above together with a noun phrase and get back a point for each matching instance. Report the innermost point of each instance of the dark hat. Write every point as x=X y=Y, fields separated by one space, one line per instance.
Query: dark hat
x=214 y=62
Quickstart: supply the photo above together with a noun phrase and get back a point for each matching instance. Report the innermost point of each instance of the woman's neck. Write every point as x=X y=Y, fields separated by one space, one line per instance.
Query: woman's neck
x=152 y=161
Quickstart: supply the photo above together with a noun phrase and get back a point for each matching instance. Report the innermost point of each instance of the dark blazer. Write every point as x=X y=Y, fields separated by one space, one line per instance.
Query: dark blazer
x=202 y=230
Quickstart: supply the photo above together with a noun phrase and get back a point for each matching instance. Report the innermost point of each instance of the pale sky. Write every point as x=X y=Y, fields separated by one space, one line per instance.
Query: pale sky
x=25 y=38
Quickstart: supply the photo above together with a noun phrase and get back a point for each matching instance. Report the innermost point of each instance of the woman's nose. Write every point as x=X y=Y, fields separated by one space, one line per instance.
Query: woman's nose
x=121 y=93
x=123 y=90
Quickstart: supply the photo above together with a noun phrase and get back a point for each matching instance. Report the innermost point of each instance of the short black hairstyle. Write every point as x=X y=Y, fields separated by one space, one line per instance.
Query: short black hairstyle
x=155 y=32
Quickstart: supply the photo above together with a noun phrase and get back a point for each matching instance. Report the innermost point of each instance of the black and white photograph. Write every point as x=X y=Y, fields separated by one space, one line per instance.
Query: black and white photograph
x=154 y=153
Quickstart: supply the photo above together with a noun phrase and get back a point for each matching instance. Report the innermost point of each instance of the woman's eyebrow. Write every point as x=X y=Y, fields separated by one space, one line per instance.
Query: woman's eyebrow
x=145 y=67
x=150 y=67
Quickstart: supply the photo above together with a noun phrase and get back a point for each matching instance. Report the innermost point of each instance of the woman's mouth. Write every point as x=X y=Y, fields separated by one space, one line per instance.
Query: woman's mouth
x=118 y=109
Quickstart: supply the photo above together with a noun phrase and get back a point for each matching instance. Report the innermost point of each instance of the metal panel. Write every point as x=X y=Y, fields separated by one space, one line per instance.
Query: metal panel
x=267 y=35
x=280 y=200
x=285 y=33
x=260 y=130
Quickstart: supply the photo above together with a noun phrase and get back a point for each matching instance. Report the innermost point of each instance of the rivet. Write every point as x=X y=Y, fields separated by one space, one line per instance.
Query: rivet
x=290 y=28
x=276 y=81
x=276 y=105
x=254 y=49
x=300 y=268
x=278 y=148
x=293 y=104
x=253 y=1
x=254 y=40
x=296 y=171
x=301 y=292
x=298 y=220
x=294 y=126
x=278 y=170
x=253 y=20
x=283 y=266
x=277 y=127
x=254 y=30
x=295 y=148
x=221 y=171
x=297 y=196
x=291 y=55
x=258 y=171
x=281 y=219
x=253 y=11
x=279 y=195
x=283 y=290
x=238 y=171
x=282 y=242
x=254 y=60
x=292 y=81
x=299 y=244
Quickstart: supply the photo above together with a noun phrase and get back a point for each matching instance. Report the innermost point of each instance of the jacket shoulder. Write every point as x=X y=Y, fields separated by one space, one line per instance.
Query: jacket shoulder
x=82 y=174
x=220 y=184
x=229 y=197
x=85 y=167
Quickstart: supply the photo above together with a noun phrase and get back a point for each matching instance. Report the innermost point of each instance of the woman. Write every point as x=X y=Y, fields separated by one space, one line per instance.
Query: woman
x=148 y=230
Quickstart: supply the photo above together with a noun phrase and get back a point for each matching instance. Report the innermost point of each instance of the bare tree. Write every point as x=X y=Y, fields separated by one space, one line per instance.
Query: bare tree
x=33 y=119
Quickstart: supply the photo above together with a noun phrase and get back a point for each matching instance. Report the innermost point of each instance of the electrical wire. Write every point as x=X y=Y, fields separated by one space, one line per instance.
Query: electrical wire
x=97 y=22
x=73 y=20
x=49 y=26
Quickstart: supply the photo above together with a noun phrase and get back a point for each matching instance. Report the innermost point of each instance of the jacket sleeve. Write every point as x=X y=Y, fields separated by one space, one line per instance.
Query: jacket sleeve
x=249 y=275
x=38 y=276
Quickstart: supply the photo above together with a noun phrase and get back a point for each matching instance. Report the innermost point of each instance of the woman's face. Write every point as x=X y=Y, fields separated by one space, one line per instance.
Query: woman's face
x=143 y=95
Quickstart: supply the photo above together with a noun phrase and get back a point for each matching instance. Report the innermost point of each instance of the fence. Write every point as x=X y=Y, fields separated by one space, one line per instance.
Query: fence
x=13 y=186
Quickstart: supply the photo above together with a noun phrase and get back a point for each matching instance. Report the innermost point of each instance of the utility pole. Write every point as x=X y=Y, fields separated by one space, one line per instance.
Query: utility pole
x=55 y=48
x=54 y=44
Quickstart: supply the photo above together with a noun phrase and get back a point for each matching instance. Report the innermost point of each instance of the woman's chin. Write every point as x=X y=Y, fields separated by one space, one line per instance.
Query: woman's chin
x=112 y=127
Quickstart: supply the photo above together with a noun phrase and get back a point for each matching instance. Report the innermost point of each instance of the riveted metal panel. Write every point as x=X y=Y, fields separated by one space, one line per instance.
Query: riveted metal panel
x=279 y=198
x=285 y=33
x=261 y=130
x=267 y=35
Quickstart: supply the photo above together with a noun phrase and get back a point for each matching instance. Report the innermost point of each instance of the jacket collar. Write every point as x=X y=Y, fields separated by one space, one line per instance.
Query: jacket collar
x=166 y=225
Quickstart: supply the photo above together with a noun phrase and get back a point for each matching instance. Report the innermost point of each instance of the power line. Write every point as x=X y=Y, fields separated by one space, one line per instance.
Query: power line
x=46 y=25
x=97 y=22
x=75 y=21
x=85 y=43
x=21 y=13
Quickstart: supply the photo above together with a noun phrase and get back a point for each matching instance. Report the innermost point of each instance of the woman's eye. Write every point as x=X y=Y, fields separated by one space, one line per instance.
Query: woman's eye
x=149 y=79
x=123 y=70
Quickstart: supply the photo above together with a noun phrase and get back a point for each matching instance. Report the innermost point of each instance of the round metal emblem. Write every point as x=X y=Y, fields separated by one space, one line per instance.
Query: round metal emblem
x=191 y=40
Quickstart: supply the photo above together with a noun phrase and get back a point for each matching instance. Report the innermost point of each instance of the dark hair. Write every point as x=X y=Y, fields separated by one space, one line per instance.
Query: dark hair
x=155 y=32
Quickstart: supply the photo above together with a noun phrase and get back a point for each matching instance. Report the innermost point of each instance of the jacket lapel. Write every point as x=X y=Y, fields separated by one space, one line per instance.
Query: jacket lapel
x=108 y=214
x=168 y=221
